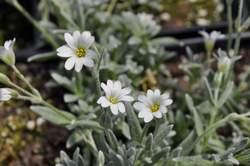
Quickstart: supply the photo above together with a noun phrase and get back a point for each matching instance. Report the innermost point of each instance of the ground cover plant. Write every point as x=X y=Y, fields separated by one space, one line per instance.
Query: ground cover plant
x=122 y=104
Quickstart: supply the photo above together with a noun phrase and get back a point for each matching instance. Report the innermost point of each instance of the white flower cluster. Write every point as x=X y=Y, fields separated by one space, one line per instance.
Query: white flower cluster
x=79 y=53
x=150 y=106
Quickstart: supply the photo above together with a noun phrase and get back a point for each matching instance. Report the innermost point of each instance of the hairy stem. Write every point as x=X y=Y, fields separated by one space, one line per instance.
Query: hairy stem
x=230 y=24
x=238 y=28
x=47 y=36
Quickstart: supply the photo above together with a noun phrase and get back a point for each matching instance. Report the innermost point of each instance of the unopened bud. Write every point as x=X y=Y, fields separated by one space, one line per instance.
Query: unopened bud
x=4 y=79
x=224 y=64
x=7 y=54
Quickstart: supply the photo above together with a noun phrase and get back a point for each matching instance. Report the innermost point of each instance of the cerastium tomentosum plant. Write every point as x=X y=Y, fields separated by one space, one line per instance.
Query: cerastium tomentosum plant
x=109 y=118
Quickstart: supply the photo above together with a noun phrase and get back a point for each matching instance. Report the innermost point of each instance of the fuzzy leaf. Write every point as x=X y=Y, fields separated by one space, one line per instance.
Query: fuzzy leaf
x=165 y=41
x=161 y=154
x=74 y=138
x=162 y=133
x=185 y=144
x=134 y=124
x=226 y=94
x=246 y=24
x=111 y=138
x=197 y=120
x=193 y=161
x=85 y=124
x=42 y=57
x=244 y=156
x=61 y=80
x=59 y=118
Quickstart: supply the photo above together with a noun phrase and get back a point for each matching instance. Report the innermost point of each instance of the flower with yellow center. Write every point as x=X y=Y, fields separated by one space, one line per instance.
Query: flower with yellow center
x=155 y=107
x=114 y=97
x=152 y=105
x=77 y=50
x=81 y=52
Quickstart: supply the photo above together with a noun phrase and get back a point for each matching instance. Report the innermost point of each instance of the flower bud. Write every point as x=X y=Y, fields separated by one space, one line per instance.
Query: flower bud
x=6 y=94
x=224 y=64
x=7 y=54
x=4 y=79
x=210 y=39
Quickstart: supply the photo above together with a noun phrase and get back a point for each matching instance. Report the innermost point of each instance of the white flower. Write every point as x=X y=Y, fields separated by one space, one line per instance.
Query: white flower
x=225 y=61
x=211 y=38
x=152 y=105
x=114 y=97
x=77 y=50
x=148 y=23
x=5 y=94
x=140 y=24
x=7 y=54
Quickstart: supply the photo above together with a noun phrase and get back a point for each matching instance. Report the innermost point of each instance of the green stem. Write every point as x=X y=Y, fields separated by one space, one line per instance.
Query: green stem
x=238 y=28
x=145 y=130
x=97 y=82
x=111 y=7
x=81 y=15
x=229 y=118
x=96 y=72
x=47 y=36
x=20 y=89
x=230 y=24
x=21 y=77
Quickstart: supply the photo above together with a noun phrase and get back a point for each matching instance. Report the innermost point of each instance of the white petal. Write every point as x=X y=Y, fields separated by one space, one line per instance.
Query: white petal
x=142 y=113
x=76 y=35
x=125 y=91
x=141 y=107
x=204 y=34
x=78 y=64
x=9 y=44
x=70 y=40
x=65 y=51
x=157 y=92
x=90 y=54
x=121 y=107
x=157 y=114
x=163 y=109
x=117 y=85
x=114 y=109
x=4 y=91
x=148 y=117
x=70 y=62
x=86 y=39
x=5 y=97
x=88 y=62
x=110 y=84
x=106 y=89
x=166 y=102
x=165 y=96
x=103 y=101
x=126 y=98
x=145 y=100
x=150 y=93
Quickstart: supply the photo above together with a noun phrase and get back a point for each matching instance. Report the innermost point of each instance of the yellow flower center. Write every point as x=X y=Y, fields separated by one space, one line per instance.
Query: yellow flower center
x=81 y=52
x=155 y=107
x=113 y=100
